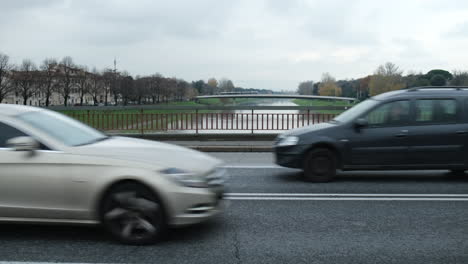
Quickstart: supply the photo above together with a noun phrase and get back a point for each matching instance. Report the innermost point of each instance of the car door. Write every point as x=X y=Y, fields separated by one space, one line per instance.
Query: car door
x=438 y=137
x=31 y=184
x=384 y=140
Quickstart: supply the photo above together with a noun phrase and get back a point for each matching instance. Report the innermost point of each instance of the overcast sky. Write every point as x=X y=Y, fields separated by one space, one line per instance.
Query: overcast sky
x=271 y=44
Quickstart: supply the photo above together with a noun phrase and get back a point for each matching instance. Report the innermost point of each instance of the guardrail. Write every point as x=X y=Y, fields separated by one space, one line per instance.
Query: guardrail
x=204 y=119
x=200 y=121
x=192 y=108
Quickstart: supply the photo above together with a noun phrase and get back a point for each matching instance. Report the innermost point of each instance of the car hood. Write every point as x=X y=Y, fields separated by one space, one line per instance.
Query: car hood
x=308 y=129
x=151 y=152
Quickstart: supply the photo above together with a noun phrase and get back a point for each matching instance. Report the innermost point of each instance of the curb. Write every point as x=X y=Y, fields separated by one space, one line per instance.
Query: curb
x=232 y=148
x=267 y=147
x=202 y=137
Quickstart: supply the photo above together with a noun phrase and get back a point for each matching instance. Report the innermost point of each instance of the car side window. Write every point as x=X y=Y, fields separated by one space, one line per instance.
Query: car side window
x=390 y=114
x=436 y=111
x=7 y=132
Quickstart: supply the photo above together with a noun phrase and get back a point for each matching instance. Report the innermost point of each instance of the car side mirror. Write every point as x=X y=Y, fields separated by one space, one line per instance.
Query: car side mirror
x=23 y=144
x=360 y=123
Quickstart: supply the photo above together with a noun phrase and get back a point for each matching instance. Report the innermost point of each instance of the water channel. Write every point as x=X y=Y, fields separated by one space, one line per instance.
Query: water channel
x=251 y=121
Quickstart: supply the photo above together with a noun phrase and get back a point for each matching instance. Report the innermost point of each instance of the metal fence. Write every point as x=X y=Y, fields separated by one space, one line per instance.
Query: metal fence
x=202 y=119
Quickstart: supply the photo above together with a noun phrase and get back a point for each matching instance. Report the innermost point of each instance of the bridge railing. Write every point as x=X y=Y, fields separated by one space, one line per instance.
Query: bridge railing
x=196 y=119
x=193 y=108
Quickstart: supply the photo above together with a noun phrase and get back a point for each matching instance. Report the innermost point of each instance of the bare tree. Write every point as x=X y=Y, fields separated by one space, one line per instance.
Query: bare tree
x=172 y=88
x=113 y=82
x=96 y=85
x=387 y=77
x=65 y=78
x=83 y=79
x=306 y=88
x=328 y=87
x=388 y=69
x=24 y=80
x=181 y=87
x=110 y=85
x=141 y=88
x=191 y=92
x=226 y=85
x=213 y=83
x=156 y=87
x=126 y=87
x=168 y=87
x=6 y=86
x=460 y=78
x=48 y=77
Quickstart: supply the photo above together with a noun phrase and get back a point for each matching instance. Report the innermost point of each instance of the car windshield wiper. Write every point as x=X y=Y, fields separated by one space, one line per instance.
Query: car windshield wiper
x=94 y=141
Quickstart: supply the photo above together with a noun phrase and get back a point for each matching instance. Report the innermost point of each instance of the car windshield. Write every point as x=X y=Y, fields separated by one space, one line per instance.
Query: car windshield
x=64 y=129
x=355 y=111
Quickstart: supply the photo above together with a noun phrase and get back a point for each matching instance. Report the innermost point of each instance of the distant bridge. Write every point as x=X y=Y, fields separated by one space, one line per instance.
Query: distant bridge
x=281 y=96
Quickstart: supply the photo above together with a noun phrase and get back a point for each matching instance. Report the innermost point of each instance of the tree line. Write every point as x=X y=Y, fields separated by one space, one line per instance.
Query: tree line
x=387 y=77
x=65 y=78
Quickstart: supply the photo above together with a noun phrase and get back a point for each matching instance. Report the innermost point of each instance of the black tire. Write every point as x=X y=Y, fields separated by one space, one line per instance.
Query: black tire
x=320 y=165
x=133 y=214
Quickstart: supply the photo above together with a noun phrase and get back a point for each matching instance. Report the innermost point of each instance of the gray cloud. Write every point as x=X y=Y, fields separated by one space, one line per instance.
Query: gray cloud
x=257 y=43
x=193 y=19
x=460 y=31
x=8 y=6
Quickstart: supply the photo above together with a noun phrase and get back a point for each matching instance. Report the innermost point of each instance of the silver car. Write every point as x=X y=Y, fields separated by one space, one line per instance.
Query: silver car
x=54 y=169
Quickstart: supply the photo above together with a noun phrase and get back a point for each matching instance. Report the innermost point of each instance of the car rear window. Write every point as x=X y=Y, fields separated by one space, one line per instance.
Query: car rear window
x=440 y=111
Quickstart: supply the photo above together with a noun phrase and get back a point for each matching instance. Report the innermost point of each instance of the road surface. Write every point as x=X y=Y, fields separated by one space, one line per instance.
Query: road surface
x=272 y=216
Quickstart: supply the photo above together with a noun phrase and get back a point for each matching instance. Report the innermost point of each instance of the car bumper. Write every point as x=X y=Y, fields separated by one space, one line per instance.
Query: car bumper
x=196 y=205
x=290 y=156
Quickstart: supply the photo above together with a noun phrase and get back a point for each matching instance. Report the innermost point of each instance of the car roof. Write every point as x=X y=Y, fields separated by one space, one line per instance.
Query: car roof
x=424 y=91
x=13 y=109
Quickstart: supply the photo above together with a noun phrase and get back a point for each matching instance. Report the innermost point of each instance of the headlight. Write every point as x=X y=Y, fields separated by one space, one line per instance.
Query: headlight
x=185 y=178
x=217 y=177
x=288 y=141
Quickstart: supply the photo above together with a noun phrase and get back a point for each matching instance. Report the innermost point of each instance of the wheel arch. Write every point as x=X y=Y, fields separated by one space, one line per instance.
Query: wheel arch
x=108 y=188
x=326 y=145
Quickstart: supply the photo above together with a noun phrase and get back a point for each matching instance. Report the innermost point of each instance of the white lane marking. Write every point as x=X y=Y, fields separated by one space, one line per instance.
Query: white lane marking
x=33 y=262
x=253 y=167
x=344 y=199
x=347 y=194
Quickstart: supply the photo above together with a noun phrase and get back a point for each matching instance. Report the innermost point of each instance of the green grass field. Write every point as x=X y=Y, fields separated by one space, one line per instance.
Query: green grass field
x=133 y=118
x=227 y=101
x=126 y=120
x=321 y=102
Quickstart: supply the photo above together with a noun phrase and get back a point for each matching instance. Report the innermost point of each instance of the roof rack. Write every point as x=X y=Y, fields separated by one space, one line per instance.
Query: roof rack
x=413 y=89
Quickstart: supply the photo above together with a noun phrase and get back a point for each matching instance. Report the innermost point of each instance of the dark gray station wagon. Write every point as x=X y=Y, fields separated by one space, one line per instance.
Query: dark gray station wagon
x=418 y=128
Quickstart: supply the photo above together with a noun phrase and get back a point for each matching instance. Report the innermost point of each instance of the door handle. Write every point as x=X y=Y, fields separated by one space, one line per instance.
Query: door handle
x=462 y=132
x=403 y=133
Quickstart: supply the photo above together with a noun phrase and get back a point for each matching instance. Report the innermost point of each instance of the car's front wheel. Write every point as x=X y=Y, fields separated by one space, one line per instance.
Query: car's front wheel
x=133 y=214
x=320 y=165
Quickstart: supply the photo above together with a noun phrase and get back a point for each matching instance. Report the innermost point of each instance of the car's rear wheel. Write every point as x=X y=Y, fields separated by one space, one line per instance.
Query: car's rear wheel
x=133 y=214
x=320 y=165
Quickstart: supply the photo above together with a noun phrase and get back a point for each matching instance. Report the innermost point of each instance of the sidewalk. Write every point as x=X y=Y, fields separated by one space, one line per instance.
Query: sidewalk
x=225 y=146
x=215 y=142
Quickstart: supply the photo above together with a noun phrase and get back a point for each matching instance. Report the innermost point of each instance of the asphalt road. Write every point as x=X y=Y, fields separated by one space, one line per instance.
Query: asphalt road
x=272 y=216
